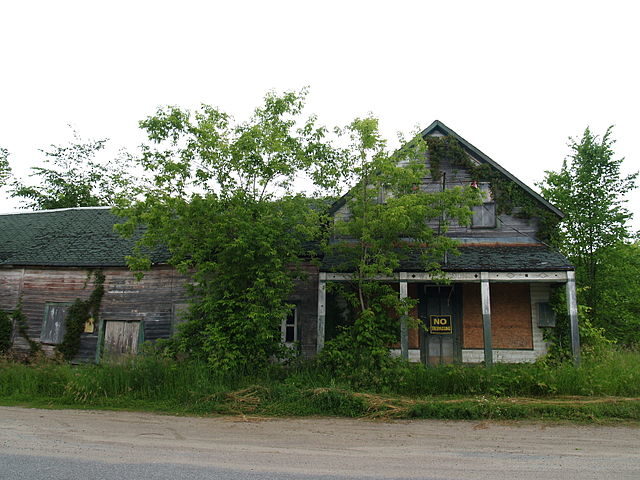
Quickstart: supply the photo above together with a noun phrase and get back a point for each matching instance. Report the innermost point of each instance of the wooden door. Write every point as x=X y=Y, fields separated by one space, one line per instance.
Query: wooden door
x=121 y=338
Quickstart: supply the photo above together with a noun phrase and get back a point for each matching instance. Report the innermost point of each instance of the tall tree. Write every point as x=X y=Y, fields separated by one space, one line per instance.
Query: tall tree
x=72 y=176
x=590 y=190
x=225 y=204
x=390 y=218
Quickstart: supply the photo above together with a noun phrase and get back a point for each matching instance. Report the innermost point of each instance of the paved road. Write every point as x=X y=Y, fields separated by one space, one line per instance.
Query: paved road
x=70 y=444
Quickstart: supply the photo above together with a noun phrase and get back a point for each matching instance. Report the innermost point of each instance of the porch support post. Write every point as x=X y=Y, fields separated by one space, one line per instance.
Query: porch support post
x=404 y=331
x=572 y=308
x=322 y=309
x=486 y=318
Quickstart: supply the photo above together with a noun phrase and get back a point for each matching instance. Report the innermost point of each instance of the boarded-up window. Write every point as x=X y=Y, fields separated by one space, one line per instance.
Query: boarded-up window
x=484 y=216
x=121 y=338
x=53 y=325
x=511 y=326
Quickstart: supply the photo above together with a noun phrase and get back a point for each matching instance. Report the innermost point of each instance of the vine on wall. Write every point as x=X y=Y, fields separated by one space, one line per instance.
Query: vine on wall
x=6 y=328
x=507 y=194
x=20 y=320
x=443 y=149
x=78 y=314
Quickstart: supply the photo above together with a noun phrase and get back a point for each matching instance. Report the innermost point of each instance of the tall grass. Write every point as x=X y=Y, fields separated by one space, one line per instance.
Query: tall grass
x=150 y=383
x=617 y=374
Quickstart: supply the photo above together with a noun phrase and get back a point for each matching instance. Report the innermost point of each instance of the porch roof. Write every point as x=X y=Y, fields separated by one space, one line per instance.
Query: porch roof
x=487 y=258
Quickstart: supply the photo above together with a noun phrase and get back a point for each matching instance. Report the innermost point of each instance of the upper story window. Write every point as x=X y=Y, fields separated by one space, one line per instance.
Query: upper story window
x=484 y=216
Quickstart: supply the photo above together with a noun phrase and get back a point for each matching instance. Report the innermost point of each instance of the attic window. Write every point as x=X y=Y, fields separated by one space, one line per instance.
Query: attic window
x=484 y=216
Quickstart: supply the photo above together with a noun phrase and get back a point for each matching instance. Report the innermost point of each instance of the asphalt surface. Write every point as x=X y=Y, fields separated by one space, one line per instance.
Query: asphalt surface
x=71 y=444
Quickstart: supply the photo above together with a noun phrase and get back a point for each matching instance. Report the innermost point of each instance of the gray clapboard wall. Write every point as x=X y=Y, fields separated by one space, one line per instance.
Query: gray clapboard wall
x=508 y=226
x=149 y=301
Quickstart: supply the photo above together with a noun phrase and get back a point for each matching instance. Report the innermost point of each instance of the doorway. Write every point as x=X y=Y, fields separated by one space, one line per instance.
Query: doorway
x=440 y=312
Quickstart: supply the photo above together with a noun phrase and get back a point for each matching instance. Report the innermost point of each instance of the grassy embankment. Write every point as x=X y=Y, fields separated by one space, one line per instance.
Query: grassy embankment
x=608 y=389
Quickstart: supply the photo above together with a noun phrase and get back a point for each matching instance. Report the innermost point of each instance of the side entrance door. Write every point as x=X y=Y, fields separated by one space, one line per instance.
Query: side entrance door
x=440 y=312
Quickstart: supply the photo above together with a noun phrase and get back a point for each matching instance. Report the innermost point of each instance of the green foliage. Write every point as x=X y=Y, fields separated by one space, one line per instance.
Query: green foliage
x=619 y=299
x=78 y=314
x=224 y=203
x=593 y=342
x=603 y=389
x=590 y=190
x=390 y=218
x=73 y=177
x=446 y=149
x=510 y=198
x=5 y=170
x=6 y=330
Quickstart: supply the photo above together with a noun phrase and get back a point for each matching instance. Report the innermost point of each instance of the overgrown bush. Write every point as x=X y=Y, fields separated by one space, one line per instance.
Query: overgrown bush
x=6 y=328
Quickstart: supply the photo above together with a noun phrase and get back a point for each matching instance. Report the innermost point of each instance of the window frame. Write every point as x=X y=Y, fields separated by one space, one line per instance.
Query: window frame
x=285 y=325
x=488 y=205
x=482 y=208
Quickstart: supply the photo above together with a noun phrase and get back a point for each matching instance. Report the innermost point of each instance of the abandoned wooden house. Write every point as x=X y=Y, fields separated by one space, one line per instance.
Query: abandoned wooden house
x=494 y=310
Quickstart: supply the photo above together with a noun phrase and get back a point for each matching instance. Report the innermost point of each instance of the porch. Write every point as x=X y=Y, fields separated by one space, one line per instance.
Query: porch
x=481 y=316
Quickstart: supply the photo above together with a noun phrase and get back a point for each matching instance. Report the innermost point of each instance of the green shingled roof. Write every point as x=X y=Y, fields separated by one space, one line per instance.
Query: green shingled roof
x=500 y=258
x=82 y=237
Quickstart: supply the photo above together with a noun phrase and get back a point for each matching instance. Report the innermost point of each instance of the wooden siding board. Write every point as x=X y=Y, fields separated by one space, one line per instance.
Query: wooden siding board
x=150 y=300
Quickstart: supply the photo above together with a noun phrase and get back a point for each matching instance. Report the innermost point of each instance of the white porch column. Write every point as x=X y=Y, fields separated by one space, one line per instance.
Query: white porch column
x=486 y=318
x=572 y=308
x=404 y=331
x=322 y=309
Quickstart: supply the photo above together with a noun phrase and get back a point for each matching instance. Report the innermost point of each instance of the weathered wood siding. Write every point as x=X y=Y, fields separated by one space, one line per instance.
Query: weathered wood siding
x=511 y=227
x=149 y=301
x=153 y=303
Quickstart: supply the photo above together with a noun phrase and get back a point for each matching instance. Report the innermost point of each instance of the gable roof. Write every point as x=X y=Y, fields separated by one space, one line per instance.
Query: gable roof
x=79 y=237
x=438 y=127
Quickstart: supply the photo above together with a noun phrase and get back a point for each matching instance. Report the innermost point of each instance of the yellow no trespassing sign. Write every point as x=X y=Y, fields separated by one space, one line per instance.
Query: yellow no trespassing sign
x=440 y=325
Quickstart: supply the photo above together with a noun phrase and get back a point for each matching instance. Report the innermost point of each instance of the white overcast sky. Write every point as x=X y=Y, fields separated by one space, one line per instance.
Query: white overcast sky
x=514 y=78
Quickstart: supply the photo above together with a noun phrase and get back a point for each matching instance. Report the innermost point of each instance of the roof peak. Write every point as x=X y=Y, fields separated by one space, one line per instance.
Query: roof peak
x=437 y=125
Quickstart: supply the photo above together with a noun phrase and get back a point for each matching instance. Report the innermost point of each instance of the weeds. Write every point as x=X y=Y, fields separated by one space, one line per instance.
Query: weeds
x=606 y=388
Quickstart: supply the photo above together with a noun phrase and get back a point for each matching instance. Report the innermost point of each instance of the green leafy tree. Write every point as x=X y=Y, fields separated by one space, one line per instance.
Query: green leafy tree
x=224 y=202
x=390 y=217
x=72 y=176
x=590 y=190
x=5 y=170
x=619 y=299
